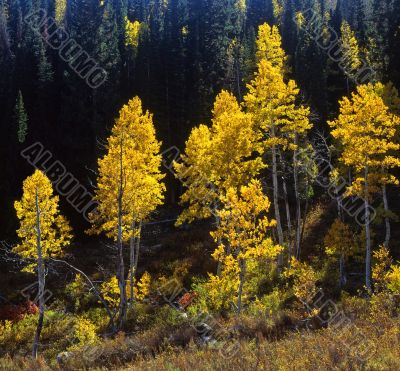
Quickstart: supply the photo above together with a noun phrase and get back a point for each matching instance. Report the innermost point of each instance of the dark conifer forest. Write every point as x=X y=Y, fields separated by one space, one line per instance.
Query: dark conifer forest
x=199 y=184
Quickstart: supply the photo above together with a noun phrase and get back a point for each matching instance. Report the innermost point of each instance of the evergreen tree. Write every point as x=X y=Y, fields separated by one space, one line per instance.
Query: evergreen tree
x=21 y=118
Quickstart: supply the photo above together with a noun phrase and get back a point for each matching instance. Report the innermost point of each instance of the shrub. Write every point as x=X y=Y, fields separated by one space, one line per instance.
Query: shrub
x=78 y=293
x=84 y=334
x=304 y=280
x=392 y=279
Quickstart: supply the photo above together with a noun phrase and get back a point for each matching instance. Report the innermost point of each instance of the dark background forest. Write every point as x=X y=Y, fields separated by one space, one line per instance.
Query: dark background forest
x=187 y=51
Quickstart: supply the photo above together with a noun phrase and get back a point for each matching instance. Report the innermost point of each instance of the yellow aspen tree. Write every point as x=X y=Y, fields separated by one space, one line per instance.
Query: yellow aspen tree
x=217 y=158
x=340 y=242
x=269 y=46
x=129 y=187
x=272 y=102
x=366 y=130
x=59 y=10
x=351 y=53
x=245 y=228
x=390 y=97
x=43 y=232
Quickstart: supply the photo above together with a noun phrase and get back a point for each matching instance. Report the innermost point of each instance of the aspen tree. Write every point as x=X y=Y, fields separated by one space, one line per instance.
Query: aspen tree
x=390 y=97
x=366 y=131
x=43 y=232
x=245 y=228
x=129 y=187
x=218 y=158
x=351 y=53
x=272 y=102
x=339 y=242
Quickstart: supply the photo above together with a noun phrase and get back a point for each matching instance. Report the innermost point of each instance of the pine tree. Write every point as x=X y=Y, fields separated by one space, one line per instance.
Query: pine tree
x=21 y=118
x=43 y=233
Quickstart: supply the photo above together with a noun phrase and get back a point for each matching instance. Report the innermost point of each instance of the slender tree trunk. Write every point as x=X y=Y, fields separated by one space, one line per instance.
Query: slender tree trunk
x=138 y=239
x=288 y=219
x=132 y=263
x=41 y=280
x=342 y=277
x=303 y=227
x=237 y=69
x=242 y=264
x=121 y=265
x=93 y=288
x=367 y=233
x=298 y=203
x=387 y=219
x=219 y=267
x=276 y=198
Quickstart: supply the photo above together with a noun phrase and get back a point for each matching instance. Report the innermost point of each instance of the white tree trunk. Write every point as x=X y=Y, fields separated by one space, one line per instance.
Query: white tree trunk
x=276 y=199
x=387 y=219
x=121 y=264
x=242 y=264
x=288 y=219
x=132 y=263
x=298 y=203
x=41 y=280
x=367 y=234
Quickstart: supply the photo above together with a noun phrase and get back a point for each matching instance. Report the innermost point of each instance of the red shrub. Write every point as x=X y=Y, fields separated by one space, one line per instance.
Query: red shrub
x=17 y=312
x=187 y=299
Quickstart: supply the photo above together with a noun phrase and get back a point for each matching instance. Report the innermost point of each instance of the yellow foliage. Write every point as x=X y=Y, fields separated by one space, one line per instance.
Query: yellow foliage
x=339 y=240
x=132 y=33
x=382 y=263
x=222 y=290
x=366 y=130
x=111 y=293
x=217 y=158
x=77 y=290
x=38 y=199
x=389 y=95
x=244 y=231
x=271 y=100
x=84 y=334
x=350 y=49
x=60 y=9
x=142 y=288
x=243 y=225
x=130 y=169
x=277 y=9
x=5 y=330
x=269 y=46
x=392 y=279
x=304 y=279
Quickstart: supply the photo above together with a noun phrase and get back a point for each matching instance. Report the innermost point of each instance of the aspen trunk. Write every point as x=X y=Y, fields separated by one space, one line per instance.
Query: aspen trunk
x=219 y=267
x=276 y=198
x=131 y=263
x=367 y=234
x=138 y=239
x=41 y=280
x=298 y=203
x=121 y=266
x=288 y=219
x=387 y=219
x=342 y=277
x=242 y=264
